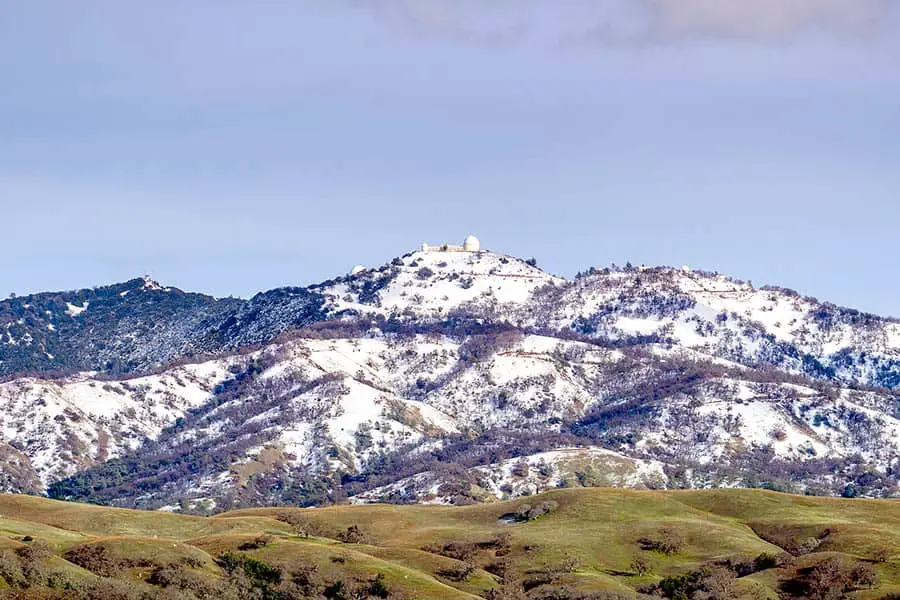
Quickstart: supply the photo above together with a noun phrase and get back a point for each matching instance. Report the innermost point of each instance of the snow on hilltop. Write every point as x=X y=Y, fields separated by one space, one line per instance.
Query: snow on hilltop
x=726 y=319
x=447 y=375
x=433 y=284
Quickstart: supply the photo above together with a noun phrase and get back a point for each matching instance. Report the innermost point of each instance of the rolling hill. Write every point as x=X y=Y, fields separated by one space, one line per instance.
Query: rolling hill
x=584 y=543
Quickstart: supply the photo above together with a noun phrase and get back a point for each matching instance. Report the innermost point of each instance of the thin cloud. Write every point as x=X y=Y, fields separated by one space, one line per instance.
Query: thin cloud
x=762 y=19
x=616 y=22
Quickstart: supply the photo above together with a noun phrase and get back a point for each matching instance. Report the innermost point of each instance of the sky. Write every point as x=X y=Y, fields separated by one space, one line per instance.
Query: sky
x=233 y=146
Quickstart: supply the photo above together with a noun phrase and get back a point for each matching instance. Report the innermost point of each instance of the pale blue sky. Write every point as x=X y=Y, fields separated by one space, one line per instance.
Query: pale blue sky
x=231 y=146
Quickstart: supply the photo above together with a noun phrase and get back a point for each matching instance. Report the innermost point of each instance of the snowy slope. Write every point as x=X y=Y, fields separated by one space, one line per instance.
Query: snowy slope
x=437 y=374
x=319 y=407
x=435 y=284
x=730 y=319
x=526 y=476
x=63 y=426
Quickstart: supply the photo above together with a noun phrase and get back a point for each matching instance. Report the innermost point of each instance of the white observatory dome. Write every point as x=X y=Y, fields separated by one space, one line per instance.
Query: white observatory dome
x=357 y=270
x=471 y=244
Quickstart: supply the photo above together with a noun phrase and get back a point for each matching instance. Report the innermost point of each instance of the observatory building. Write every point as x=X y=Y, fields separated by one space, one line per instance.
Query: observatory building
x=470 y=244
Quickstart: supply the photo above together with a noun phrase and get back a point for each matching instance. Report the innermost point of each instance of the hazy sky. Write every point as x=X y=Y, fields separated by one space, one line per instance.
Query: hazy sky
x=230 y=146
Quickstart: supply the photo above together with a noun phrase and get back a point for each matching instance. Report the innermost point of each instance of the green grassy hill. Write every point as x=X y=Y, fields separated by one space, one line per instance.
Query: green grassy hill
x=581 y=543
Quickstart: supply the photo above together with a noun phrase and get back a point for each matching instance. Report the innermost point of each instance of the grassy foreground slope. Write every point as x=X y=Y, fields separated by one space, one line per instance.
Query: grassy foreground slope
x=603 y=543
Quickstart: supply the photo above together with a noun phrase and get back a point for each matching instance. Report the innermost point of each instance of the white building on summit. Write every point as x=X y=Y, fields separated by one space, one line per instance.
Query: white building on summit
x=471 y=244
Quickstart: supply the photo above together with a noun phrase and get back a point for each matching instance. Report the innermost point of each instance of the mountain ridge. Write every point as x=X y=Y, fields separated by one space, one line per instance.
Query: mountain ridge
x=362 y=287
x=450 y=377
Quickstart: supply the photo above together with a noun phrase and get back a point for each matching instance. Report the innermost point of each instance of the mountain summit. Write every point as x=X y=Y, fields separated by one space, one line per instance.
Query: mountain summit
x=450 y=374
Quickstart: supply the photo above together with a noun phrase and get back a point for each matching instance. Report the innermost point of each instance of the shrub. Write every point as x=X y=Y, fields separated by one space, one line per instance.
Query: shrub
x=348 y=590
x=259 y=542
x=95 y=558
x=354 y=535
x=105 y=589
x=498 y=568
x=785 y=560
x=550 y=575
x=881 y=555
x=765 y=561
x=678 y=586
x=716 y=583
x=522 y=512
x=640 y=566
x=742 y=565
x=502 y=542
x=506 y=593
x=463 y=551
x=11 y=569
x=177 y=577
x=461 y=572
x=193 y=562
x=712 y=582
x=306 y=579
x=378 y=588
x=519 y=468
x=807 y=546
x=833 y=578
x=258 y=572
x=301 y=525
x=863 y=575
x=526 y=512
x=569 y=564
x=32 y=558
x=511 y=587
x=668 y=541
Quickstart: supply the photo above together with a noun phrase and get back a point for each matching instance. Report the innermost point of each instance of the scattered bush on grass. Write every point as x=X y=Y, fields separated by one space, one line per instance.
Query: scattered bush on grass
x=462 y=551
x=526 y=512
x=765 y=561
x=833 y=578
x=462 y=571
x=640 y=565
x=96 y=559
x=258 y=542
x=881 y=555
x=354 y=535
x=668 y=541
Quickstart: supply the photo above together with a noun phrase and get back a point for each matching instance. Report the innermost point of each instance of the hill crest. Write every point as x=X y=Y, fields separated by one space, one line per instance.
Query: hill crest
x=444 y=377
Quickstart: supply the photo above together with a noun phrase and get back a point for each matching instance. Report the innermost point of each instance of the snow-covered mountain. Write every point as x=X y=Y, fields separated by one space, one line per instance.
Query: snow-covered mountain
x=444 y=376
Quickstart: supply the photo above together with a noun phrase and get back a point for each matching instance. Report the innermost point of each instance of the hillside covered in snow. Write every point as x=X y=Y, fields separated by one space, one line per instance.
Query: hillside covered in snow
x=444 y=376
